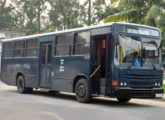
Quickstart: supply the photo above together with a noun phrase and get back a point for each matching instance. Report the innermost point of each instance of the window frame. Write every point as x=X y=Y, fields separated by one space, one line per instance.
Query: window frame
x=21 y=49
x=76 y=36
x=29 y=48
x=64 y=44
x=4 y=50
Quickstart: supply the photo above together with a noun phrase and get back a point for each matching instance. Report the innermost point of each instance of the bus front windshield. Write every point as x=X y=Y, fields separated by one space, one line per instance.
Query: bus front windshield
x=139 y=50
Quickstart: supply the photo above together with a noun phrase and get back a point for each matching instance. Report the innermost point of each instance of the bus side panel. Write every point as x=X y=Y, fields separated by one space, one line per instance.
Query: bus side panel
x=65 y=69
x=27 y=66
x=7 y=75
x=31 y=71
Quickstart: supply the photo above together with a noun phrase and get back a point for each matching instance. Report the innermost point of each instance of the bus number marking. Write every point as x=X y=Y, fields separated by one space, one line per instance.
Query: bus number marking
x=62 y=65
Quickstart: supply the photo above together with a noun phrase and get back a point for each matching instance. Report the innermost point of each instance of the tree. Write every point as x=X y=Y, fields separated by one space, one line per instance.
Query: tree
x=89 y=12
x=6 y=19
x=149 y=12
x=28 y=14
x=50 y=15
x=65 y=14
x=98 y=12
x=101 y=10
x=138 y=11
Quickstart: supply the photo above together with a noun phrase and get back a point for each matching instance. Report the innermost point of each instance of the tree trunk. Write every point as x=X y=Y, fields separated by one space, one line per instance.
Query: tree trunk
x=39 y=17
x=89 y=13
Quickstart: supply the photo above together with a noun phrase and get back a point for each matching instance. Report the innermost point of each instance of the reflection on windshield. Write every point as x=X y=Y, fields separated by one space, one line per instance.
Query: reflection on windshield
x=151 y=51
x=145 y=51
x=130 y=48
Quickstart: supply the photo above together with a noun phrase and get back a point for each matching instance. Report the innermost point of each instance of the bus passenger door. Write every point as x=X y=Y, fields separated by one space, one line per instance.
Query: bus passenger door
x=45 y=64
x=101 y=63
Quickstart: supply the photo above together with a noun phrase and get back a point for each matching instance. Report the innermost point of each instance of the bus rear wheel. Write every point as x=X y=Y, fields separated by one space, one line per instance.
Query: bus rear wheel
x=123 y=100
x=21 y=86
x=82 y=91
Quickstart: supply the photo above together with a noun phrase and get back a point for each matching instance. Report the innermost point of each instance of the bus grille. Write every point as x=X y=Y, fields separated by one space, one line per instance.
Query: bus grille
x=141 y=81
x=141 y=84
x=141 y=77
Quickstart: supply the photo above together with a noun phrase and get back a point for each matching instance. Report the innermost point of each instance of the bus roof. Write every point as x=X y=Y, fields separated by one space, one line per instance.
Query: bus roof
x=77 y=29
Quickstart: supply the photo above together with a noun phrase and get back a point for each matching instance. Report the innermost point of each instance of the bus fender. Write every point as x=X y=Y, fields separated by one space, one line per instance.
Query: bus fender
x=78 y=77
x=19 y=74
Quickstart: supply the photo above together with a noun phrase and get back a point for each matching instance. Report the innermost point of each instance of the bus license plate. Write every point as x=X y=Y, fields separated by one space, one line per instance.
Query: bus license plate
x=158 y=95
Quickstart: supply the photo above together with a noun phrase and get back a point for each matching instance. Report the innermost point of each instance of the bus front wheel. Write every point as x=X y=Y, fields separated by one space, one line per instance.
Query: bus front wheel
x=82 y=91
x=124 y=100
x=21 y=86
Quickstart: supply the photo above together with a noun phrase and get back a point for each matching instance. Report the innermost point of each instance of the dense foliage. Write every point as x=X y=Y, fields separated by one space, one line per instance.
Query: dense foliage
x=38 y=16
x=149 y=12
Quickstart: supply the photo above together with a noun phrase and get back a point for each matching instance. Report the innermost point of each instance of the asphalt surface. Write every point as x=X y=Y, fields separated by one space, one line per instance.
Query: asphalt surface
x=44 y=106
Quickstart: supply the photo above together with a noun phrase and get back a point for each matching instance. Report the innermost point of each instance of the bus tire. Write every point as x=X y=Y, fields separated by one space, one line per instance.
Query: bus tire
x=123 y=100
x=21 y=86
x=82 y=91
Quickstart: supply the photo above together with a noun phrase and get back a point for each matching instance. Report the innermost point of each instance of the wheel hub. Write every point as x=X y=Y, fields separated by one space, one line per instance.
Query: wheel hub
x=81 y=91
x=20 y=84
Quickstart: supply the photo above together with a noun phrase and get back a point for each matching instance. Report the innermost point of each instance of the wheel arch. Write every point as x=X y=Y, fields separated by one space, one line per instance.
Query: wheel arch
x=18 y=74
x=76 y=79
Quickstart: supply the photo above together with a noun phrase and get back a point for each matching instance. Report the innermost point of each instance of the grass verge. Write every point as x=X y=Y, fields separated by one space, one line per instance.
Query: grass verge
x=164 y=88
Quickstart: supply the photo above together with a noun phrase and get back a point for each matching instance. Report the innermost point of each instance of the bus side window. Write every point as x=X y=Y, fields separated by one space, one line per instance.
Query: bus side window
x=8 y=49
x=68 y=44
x=64 y=44
x=50 y=54
x=19 y=48
x=43 y=54
x=82 y=43
x=58 y=45
x=31 y=48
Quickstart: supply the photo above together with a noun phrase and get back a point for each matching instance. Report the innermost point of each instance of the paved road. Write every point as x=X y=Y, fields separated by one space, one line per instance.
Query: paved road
x=43 y=106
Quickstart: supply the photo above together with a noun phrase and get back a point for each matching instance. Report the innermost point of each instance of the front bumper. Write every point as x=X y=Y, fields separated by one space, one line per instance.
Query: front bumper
x=127 y=92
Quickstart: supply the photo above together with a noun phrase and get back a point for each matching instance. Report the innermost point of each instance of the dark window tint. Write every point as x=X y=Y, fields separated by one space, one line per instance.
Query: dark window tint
x=18 y=53
x=19 y=48
x=8 y=45
x=82 y=43
x=83 y=37
x=49 y=53
x=43 y=55
x=19 y=44
x=8 y=53
x=58 y=45
x=64 y=45
x=31 y=52
x=58 y=50
x=60 y=39
x=31 y=48
x=67 y=50
x=8 y=49
x=31 y=43
x=68 y=39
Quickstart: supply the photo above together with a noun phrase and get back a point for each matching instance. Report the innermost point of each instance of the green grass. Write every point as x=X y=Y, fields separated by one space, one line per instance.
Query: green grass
x=164 y=88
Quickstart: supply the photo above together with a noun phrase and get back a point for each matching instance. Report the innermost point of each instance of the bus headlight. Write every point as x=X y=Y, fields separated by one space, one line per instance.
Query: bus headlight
x=156 y=84
x=123 y=84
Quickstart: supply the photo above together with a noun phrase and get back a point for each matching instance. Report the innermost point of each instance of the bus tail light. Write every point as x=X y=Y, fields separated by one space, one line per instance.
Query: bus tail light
x=115 y=83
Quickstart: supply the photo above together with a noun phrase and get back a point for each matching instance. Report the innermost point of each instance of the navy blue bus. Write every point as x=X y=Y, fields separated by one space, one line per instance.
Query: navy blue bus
x=118 y=60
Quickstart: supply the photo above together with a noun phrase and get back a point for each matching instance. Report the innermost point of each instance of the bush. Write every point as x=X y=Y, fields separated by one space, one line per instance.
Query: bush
x=164 y=88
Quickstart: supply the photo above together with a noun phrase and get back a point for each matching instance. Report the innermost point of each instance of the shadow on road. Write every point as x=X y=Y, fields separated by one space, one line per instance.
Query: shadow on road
x=100 y=101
